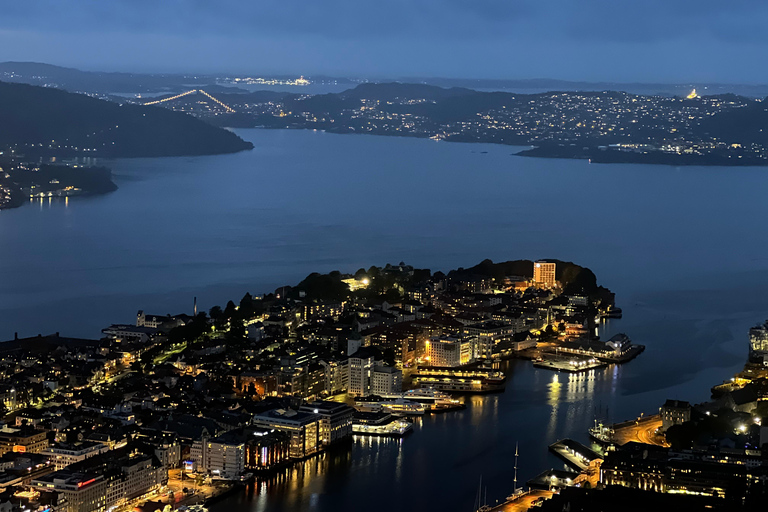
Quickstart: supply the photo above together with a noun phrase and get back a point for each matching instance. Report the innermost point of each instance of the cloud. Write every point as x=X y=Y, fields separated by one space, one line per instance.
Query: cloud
x=510 y=38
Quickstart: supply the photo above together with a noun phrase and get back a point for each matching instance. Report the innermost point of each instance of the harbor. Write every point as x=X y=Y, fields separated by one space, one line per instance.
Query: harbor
x=568 y=364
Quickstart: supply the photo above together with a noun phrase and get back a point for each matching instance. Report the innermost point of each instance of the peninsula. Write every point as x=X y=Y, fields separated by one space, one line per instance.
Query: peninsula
x=257 y=386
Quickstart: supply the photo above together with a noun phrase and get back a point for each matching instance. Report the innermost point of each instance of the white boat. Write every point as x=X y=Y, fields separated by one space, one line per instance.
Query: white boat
x=398 y=406
x=432 y=398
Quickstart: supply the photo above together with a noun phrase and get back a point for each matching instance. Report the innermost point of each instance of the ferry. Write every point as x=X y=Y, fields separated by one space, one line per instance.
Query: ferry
x=433 y=400
x=398 y=406
x=460 y=379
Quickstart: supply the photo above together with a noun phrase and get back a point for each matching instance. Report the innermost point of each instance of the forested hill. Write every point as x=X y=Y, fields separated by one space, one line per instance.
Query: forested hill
x=58 y=122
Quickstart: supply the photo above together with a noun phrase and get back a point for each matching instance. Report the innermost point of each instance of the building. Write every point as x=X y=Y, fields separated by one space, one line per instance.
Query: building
x=758 y=342
x=266 y=448
x=22 y=439
x=63 y=454
x=103 y=482
x=335 y=420
x=449 y=351
x=674 y=412
x=129 y=333
x=336 y=376
x=360 y=367
x=83 y=492
x=303 y=427
x=222 y=456
x=544 y=274
x=386 y=381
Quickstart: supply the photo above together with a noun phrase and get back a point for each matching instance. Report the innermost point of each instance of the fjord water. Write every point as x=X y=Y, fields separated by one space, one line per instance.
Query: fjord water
x=683 y=248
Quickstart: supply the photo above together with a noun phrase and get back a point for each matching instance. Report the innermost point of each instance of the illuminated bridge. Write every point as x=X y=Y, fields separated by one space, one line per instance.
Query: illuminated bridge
x=224 y=106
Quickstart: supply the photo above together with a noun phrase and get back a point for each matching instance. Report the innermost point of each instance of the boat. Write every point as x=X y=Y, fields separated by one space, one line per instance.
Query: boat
x=433 y=399
x=398 y=406
x=602 y=433
x=460 y=379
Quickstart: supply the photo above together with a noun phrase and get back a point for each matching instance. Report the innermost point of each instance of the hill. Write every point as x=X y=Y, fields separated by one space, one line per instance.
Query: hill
x=60 y=122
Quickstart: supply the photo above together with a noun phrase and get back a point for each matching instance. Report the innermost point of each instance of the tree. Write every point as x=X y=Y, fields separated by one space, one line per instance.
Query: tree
x=215 y=313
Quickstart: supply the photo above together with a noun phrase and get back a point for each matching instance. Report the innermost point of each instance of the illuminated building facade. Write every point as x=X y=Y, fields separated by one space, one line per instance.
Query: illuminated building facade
x=544 y=274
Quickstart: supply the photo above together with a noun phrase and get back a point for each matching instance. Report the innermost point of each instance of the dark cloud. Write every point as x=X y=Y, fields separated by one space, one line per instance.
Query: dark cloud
x=446 y=37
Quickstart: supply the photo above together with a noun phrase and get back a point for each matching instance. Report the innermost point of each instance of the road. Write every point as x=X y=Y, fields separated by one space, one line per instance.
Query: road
x=523 y=502
x=643 y=430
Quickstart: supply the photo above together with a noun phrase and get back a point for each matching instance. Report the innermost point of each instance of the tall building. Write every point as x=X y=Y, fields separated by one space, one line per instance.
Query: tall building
x=544 y=274
x=360 y=368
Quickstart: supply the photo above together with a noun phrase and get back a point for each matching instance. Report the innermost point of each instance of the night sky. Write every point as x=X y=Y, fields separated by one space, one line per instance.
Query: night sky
x=641 y=40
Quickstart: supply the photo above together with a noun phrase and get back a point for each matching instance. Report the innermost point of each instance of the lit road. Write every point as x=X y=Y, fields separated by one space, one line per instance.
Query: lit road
x=523 y=502
x=643 y=430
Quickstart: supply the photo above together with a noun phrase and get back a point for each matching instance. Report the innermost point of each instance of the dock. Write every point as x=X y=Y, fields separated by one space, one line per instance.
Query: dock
x=569 y=364
x=574 y=453
x=553 y=479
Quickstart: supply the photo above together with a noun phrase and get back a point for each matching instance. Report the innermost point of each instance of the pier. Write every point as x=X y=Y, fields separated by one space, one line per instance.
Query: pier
x=570 y=364
x=574 y=453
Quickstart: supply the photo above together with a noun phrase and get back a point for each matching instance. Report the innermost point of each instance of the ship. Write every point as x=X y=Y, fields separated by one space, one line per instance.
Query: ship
x=433 y=399
x=460 y=379
x=398 y=406
x=602 y=433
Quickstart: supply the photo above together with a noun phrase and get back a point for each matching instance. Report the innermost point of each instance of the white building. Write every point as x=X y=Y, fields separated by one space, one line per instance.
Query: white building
x=221 y=457
x=386 y=380
x=360 y=367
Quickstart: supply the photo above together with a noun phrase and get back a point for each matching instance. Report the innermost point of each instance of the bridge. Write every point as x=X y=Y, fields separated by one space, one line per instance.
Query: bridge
x=193 y=91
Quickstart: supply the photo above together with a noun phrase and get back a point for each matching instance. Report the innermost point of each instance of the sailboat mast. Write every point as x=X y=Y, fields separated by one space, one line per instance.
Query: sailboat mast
x=515 y=480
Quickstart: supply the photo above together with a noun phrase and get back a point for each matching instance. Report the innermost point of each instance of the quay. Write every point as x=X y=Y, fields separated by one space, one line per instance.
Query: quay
x=553 y=479
x=568 y=364
x=574 y=453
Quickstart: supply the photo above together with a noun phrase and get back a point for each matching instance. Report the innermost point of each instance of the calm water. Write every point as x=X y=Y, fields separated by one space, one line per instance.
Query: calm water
x=684 y=249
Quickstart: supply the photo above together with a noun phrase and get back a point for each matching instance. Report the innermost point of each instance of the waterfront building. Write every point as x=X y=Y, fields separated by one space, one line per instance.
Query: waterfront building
x=303 y=427
x=618 y=348
x=544 y=274
x=266 y=448
x=222 y=456
x=335 y=420
x=674 y=412
x=448 y=351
